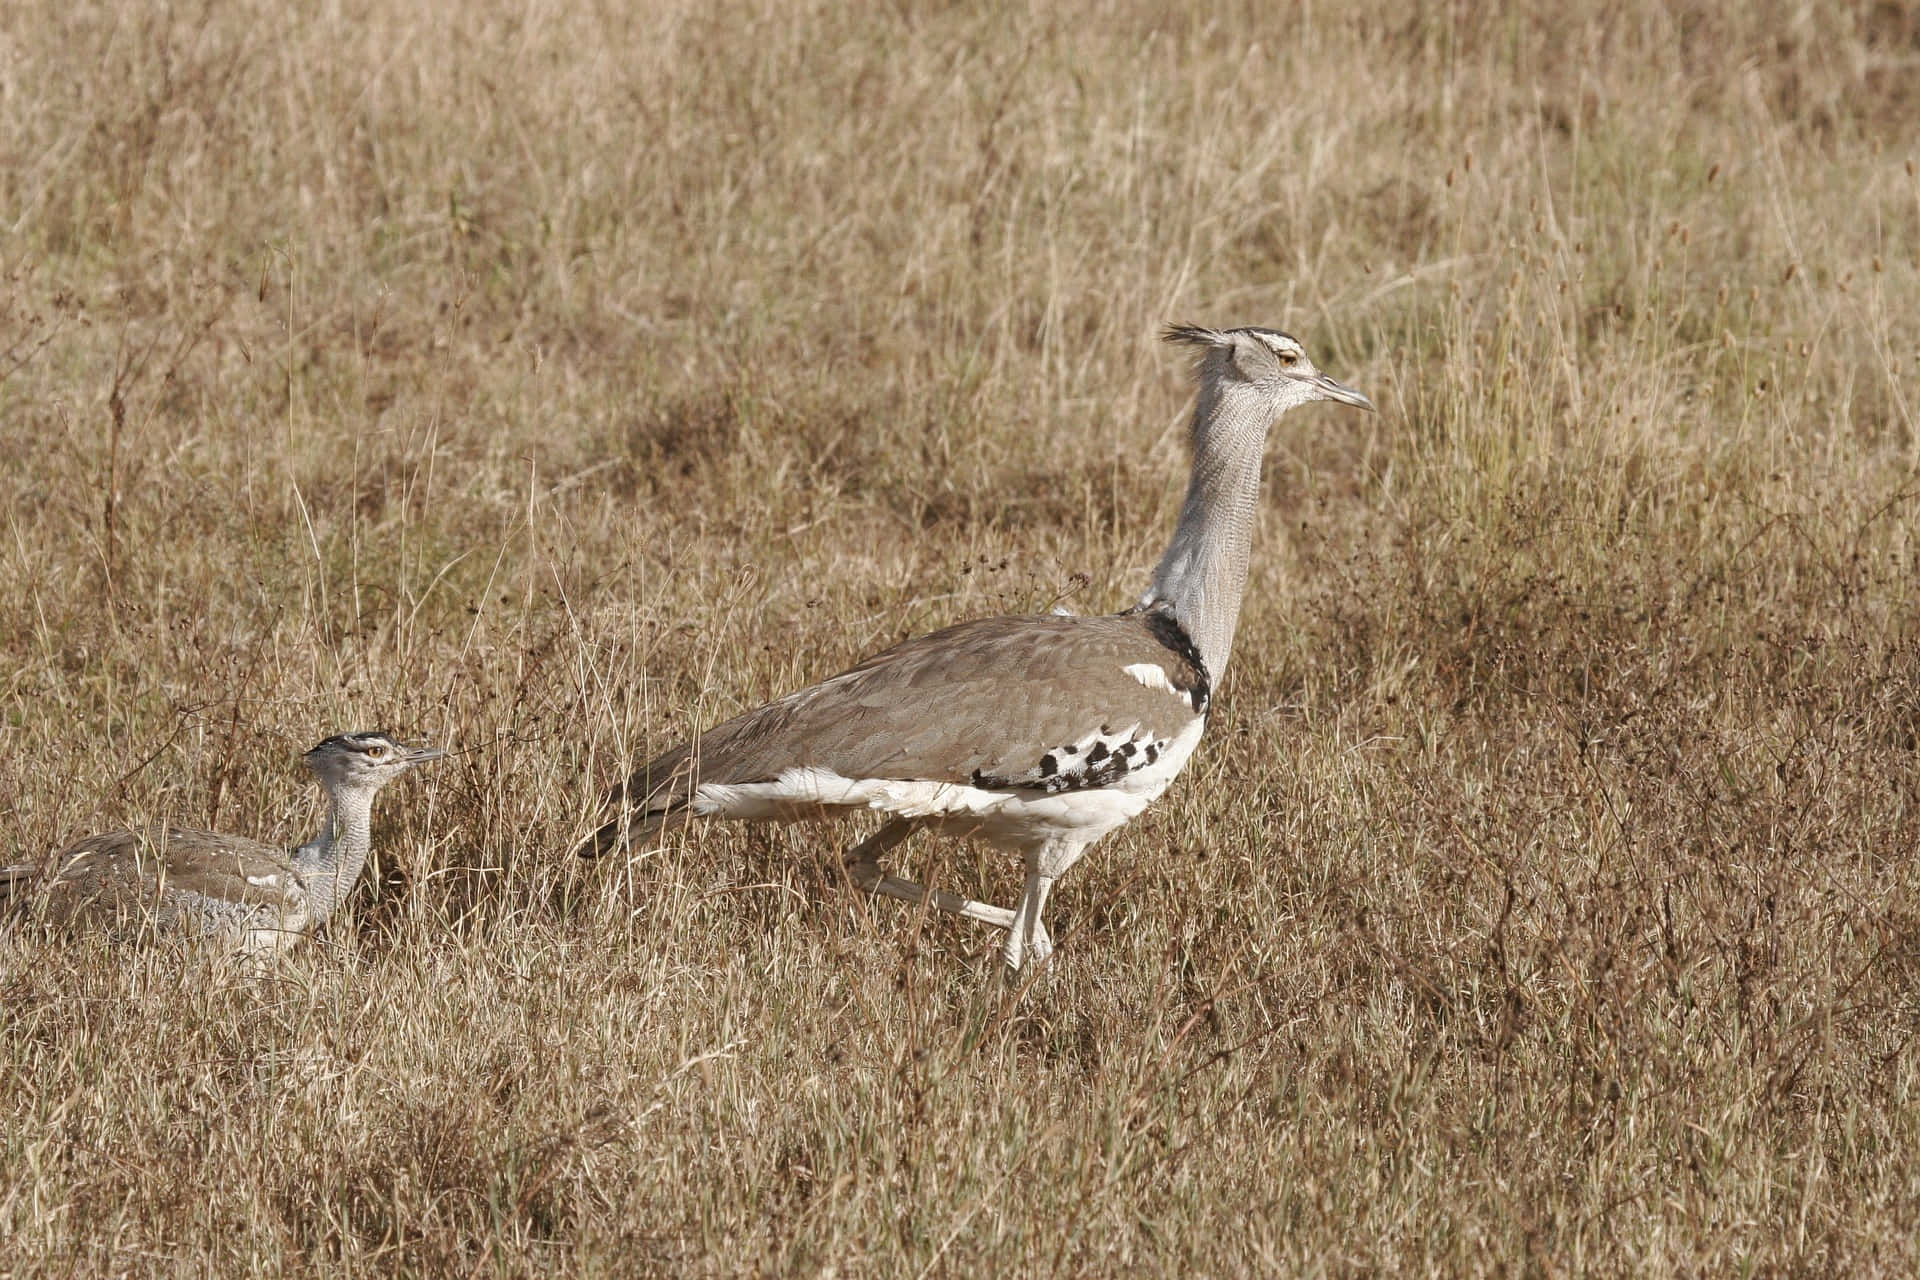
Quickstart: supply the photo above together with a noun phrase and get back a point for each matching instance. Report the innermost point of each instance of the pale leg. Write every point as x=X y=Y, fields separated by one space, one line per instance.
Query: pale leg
x=1027 y=940
x=863 y=864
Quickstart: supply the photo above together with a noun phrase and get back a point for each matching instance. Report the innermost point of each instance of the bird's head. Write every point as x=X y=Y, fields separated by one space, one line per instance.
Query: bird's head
x=365 y=760
x=1259 y=370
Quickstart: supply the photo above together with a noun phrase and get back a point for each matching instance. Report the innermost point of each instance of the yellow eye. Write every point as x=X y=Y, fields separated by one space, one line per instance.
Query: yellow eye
x=376 y=753
x=1288 y=358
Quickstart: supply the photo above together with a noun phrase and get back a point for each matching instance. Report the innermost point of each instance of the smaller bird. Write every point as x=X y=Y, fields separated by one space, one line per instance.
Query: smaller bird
x=238 y=893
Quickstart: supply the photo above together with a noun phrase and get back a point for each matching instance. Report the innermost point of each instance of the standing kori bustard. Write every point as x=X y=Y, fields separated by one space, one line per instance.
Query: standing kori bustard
x=1036 y=734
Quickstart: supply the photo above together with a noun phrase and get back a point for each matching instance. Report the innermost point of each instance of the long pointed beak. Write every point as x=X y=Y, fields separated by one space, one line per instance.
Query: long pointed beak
x=420 y=755
x=1343 y=393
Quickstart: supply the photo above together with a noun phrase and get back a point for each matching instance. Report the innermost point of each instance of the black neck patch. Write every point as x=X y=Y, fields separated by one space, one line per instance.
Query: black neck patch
x=1168 y=631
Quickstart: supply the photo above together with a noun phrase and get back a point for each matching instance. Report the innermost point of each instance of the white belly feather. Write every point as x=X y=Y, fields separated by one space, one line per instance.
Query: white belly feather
x=1010 y=817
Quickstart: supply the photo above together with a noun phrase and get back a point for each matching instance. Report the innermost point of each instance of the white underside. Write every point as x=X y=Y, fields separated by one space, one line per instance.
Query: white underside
x=1011 y=818
x=249 y=928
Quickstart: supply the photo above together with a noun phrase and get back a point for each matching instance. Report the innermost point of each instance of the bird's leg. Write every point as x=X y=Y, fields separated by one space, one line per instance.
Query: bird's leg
x=1027 y=940
x=863 y=864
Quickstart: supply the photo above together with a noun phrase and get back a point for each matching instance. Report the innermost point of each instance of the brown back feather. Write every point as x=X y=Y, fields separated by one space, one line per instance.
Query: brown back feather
x=984 y=698
x=121 y=870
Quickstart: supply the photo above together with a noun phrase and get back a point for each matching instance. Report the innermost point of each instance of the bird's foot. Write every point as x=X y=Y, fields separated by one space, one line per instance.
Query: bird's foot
x=1026 y=952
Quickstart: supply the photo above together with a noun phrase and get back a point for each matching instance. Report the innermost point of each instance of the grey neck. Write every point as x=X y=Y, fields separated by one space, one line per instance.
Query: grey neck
x=1203 y=575
x=331 y=862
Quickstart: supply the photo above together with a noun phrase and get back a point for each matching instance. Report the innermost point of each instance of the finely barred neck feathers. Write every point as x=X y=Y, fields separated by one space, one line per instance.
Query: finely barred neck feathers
x=1247 y=378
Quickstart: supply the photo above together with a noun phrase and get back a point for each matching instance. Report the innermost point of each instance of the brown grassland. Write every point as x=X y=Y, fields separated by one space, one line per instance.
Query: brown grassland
x=552 y=379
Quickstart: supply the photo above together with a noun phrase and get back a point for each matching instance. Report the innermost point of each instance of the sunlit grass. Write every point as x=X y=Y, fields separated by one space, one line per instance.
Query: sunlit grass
x=556 y=381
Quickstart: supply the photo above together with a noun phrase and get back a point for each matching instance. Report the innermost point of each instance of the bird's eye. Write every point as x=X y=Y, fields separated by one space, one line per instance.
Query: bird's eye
x=1289 y=359
x=376 y=753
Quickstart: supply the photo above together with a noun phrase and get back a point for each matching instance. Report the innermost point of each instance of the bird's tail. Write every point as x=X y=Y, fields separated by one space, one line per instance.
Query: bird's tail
x=655 y=797
x=628 y=829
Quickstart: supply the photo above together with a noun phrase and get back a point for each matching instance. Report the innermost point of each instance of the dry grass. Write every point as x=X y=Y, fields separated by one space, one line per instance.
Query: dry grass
x=554 y=380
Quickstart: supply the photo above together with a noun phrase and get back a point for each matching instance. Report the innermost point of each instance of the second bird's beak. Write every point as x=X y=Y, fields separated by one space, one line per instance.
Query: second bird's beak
x=1340 y=391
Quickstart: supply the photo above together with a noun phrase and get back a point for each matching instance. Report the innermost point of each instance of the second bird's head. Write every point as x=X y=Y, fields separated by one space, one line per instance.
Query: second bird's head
x=365 y=760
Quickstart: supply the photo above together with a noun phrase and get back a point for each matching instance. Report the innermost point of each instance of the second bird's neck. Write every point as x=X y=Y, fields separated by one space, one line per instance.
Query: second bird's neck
x=331 y=862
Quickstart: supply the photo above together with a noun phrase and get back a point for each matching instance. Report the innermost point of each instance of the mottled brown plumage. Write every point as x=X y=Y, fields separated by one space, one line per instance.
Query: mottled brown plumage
x=987 y=699
x=129 y=876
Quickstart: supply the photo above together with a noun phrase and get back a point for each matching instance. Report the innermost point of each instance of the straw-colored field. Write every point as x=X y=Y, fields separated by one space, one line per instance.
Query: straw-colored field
x=555 y=379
